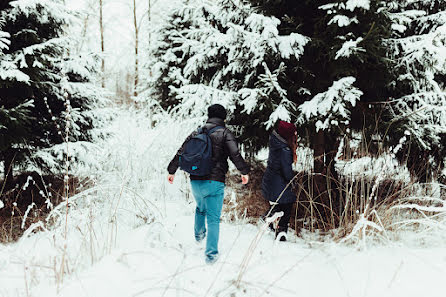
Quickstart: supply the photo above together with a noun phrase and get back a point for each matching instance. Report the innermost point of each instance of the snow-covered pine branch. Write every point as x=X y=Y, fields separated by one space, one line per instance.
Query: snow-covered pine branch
x=331 y=108
x=424 y=115
x=196 y=98
x=8 y=69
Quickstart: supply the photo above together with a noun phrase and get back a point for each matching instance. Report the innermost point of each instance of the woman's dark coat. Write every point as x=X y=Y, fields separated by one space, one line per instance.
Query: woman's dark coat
x=278 y=171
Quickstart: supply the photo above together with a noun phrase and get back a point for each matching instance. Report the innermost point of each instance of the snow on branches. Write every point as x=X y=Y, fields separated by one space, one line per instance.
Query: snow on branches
x=350 y=5
x=332 y=107
x=421 y=59
x=4 y=41
x=424 y=117
x=349 y=48
x=418 y=48
x=39 y=81
x=8 y=69
x=223 y=52
x=45 y=11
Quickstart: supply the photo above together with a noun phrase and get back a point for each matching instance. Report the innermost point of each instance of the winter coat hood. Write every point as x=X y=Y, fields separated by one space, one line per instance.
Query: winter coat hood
x=276 y=141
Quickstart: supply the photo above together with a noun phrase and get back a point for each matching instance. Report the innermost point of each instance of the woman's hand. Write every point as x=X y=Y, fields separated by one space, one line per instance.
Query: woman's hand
x=245 y=179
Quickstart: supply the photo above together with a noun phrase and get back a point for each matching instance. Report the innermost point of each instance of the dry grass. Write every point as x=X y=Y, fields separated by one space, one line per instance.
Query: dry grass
x=248 y=201
x=376 y=202
x=25 y=205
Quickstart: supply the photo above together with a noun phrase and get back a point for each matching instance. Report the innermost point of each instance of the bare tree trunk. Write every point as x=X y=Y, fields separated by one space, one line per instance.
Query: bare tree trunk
x=101 y=27
x=135 y=92
x=84 y=33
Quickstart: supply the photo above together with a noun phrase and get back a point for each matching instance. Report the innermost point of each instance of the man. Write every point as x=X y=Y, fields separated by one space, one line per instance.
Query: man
x=209 y=190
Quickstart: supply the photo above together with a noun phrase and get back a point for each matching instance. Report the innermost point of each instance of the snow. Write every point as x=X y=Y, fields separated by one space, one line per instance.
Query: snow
x=371 y=167
x=424 y=46
x=330 y=108
x=197 y=97
x=350 y=5
x=9 y=71
x=399 y=28
x=343 y=21
x=349 y=48
x=280 y=113
x=234 y=59
x=131 y=234
x=277 y=269
x=56 y=10
x=432 y=21
x=249 y=99
x=4 y=40
x=354 y=4
x=292 y=44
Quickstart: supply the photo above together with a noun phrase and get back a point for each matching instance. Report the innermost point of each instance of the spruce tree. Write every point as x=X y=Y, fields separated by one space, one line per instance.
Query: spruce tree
x=164 y=69
x=12 y=120
x=395 y=52
x=230 y=55
x=344 y=68
x=34 y=92
x=417 y=113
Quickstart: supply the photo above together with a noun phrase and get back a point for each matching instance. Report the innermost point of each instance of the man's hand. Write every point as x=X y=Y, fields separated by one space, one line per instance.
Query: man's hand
x=170 y=178
x=245 y=179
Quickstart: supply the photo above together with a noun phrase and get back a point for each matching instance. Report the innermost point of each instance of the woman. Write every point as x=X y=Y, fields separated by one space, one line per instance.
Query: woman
x=279 y=173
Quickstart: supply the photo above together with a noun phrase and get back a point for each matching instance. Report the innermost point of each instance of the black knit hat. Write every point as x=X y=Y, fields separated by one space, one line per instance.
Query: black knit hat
x=217 y=111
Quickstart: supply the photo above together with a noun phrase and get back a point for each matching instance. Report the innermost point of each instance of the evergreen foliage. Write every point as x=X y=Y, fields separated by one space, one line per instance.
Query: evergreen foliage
x=35 y=81
x=418 y=110
x=395 y=52
x=333 y=67
x=223 y=52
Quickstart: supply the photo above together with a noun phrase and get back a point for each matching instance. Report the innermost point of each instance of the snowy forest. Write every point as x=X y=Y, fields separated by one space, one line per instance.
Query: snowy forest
x=97 y=97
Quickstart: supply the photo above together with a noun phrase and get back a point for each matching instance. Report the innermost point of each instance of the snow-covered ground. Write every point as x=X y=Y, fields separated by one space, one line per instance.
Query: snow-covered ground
x=131 y=234
x=155 y=260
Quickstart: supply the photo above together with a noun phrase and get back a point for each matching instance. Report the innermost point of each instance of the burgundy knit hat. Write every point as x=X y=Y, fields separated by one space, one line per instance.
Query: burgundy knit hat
x=286 y=130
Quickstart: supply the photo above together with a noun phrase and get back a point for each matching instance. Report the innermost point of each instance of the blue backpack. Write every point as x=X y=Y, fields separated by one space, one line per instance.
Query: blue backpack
x=196 y=157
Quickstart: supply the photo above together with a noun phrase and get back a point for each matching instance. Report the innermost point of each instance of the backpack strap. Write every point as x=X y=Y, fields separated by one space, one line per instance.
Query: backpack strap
x=210 y=131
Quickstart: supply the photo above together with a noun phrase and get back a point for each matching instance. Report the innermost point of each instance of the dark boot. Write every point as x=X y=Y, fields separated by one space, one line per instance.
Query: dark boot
x=283 y=223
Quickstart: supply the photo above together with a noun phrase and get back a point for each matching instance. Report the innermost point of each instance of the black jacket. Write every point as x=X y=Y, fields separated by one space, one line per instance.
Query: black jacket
x=278 y=172
x=224 y=145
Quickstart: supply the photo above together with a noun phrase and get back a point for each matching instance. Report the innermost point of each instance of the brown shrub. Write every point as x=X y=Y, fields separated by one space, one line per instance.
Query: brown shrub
x=250 y=204
x=249 y=200
x=16 y=198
